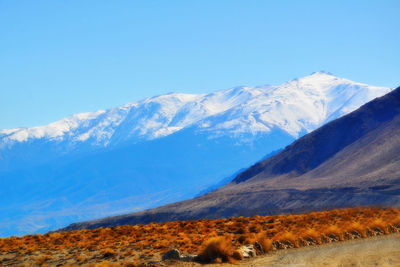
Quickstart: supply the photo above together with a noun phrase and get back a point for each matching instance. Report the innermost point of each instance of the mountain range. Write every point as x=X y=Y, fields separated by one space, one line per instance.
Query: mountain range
x=160 y=150
x=351 y=161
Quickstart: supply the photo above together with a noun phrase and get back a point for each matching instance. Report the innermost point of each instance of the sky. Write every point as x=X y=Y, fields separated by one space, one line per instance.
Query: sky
x=60 y=57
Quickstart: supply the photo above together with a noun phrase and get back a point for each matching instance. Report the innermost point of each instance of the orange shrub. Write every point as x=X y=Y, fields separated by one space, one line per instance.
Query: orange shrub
x=218 y=249
x=358 y=228
x=42 y=259
x=311 y=234
x=107 y=253
x=265 y=242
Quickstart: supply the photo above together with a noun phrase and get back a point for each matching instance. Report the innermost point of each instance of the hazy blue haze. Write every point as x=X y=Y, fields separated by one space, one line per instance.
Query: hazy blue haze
x=64 y=57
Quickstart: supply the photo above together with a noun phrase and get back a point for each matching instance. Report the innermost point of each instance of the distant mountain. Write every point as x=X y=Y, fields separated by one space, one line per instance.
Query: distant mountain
x=351 y=161
x=158 y=150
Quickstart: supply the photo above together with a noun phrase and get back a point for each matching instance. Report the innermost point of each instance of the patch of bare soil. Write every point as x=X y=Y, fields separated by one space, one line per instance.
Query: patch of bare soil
x=377 y=251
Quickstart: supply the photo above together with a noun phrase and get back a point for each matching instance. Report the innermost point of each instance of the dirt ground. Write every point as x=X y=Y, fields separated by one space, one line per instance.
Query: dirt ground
x=377 y=251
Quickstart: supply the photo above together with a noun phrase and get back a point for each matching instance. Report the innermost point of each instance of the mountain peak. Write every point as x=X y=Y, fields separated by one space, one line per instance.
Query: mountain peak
x=322 y=72
x=322 y=75
x=318 y=80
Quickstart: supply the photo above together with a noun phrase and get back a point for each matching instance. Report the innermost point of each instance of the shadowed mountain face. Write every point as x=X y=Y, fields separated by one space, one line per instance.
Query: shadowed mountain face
x=375 y=120
x=352 y=161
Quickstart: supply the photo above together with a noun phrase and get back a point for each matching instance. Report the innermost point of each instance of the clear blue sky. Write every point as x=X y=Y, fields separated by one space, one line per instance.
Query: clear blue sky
x=63 y=57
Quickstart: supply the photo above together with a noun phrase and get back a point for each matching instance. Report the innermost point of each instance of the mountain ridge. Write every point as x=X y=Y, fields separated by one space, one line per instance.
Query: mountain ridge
x=179 y=110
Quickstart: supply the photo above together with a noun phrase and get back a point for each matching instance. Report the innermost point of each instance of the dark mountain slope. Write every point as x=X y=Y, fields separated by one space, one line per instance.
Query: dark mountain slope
x=315 y=148
x=352 y=161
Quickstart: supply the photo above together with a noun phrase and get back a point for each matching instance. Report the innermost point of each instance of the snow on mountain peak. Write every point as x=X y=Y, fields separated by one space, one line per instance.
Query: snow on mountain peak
x=294 y=107
x=52 y=131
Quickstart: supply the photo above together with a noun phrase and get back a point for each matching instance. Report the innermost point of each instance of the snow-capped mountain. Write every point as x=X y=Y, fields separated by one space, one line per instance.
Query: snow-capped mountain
x=158 y=150
x=296 y=106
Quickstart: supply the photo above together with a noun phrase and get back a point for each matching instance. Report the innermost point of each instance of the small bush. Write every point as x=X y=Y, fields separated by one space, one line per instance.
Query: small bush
x=333 y=230
x=359 y=228
x=266 y=243
x=312 y=234
x=287 y=237
x=218 y=249
x=42 y=259
x=108 y=252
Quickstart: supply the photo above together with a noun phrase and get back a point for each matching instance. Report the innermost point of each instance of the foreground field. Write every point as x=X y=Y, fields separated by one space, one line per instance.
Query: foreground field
x=377 y=251
x=382 y=251
x=213 y=240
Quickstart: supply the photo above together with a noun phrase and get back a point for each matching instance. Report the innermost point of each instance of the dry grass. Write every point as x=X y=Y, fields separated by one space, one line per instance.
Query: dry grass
x=214 y=240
